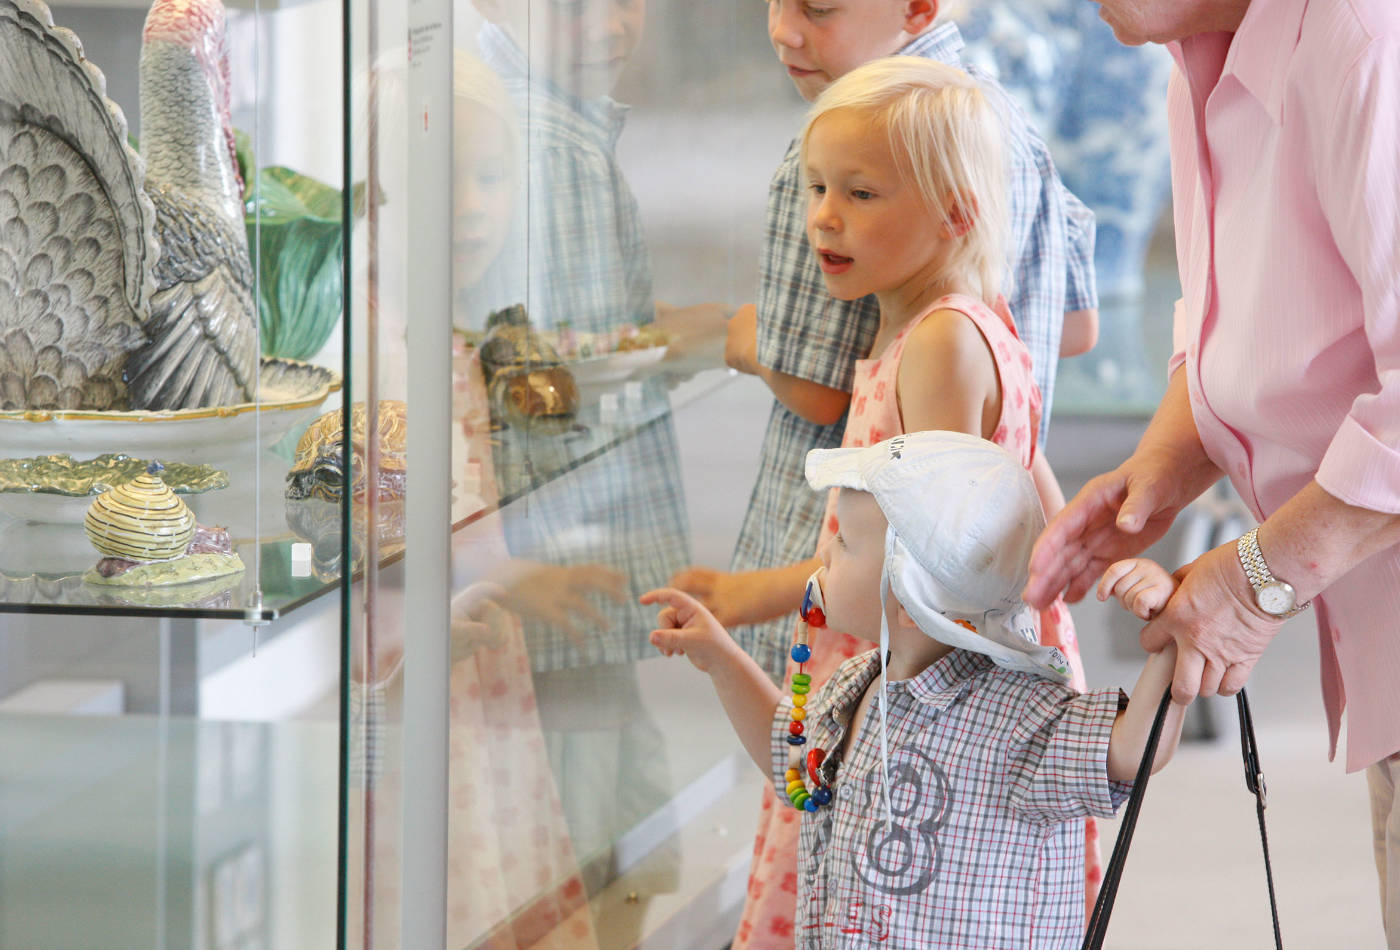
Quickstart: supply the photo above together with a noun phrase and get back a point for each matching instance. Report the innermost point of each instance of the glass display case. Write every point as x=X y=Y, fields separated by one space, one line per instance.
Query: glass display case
x=169 y=695
x=413 y=718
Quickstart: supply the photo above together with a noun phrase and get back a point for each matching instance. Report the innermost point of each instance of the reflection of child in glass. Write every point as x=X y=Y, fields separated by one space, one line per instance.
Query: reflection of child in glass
x=586 y=261
x=953 y=819
x=506 y=825
x=576 y=256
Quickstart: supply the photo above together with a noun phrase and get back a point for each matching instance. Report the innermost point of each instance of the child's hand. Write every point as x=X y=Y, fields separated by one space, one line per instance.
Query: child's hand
x=560 y=596
x=735 y=598
x=684 y=626
x=1141 y=586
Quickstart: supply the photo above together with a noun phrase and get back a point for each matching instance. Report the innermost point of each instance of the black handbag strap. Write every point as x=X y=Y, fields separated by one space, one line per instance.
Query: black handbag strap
x=1254 y=781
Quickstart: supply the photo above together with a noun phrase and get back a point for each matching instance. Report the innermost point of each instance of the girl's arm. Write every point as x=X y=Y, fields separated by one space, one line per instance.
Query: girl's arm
x=947 y=377
x=812 y=401
x=1130 y=730
x=1047 y=486
x=749 y=697
x=743 y=597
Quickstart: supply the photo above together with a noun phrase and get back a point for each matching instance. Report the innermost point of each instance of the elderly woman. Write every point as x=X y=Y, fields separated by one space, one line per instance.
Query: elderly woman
x=1285 y=131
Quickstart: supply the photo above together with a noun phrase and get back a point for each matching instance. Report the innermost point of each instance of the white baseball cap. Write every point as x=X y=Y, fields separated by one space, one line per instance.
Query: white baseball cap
x=963 y=516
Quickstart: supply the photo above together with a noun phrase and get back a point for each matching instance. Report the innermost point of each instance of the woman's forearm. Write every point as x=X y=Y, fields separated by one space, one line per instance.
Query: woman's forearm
x=1314 y=538
x=1173 y=443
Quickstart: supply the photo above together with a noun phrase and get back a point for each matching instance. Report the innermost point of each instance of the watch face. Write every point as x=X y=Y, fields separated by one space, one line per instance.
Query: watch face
x=1276 y=598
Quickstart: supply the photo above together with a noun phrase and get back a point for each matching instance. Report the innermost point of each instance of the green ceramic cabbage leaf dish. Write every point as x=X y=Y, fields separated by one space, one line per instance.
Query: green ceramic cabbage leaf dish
x=299 y=265
x=62 y=475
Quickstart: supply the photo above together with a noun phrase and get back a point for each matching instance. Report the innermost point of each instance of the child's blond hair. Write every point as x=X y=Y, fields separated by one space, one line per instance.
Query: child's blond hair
x=946 y=141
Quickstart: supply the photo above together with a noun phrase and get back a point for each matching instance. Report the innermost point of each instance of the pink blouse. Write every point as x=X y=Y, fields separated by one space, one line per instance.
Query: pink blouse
x=1286 y=183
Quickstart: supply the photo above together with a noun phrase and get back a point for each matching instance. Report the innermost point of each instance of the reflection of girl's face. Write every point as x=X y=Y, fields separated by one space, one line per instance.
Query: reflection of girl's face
x=483 y=169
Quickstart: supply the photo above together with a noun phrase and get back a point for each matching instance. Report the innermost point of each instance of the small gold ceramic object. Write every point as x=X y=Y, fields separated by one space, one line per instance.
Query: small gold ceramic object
x=142 y=520
x=527 y=383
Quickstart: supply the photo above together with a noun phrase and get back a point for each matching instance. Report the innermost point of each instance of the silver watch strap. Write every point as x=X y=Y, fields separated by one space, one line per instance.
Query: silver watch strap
x=1256 y=568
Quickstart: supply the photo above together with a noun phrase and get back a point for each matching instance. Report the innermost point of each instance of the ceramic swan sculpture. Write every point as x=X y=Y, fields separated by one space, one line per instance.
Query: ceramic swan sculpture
x=76 y=228
x=202 y=336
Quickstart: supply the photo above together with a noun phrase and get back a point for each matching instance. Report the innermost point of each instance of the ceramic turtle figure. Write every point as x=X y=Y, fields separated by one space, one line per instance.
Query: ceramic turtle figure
x=316 y=484
x=527 y=384
x=318 y=470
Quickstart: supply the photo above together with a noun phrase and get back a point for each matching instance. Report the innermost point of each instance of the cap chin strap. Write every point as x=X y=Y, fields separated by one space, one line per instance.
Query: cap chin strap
x=884 y=702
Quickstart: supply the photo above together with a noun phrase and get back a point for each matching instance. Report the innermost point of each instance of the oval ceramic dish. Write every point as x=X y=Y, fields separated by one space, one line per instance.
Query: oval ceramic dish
x=291 y=392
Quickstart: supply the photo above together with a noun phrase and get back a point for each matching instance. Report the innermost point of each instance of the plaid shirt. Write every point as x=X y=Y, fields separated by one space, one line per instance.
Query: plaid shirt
x=585 y=261
x=803 y=331
x=990 y=768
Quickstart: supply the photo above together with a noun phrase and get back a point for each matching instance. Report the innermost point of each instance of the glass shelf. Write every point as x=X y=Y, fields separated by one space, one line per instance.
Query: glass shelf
x=57 y=555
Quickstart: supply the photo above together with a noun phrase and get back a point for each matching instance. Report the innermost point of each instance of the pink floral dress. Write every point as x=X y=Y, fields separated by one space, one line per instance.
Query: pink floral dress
x=767 y=921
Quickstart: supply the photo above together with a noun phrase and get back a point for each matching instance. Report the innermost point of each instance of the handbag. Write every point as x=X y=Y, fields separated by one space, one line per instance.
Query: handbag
x=1253 y=780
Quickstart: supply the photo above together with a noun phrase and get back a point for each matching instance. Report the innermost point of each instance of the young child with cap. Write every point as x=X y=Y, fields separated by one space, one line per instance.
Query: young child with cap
x=951 y=817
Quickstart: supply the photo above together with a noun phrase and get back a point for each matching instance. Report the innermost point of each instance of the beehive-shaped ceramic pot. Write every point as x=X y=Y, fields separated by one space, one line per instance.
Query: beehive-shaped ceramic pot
x=142 y=520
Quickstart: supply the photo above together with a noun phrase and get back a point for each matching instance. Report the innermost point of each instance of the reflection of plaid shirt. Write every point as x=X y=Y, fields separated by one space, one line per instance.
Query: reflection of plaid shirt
x=576 y=250
x=804 y=332
x=990 y=768
x=585 y=261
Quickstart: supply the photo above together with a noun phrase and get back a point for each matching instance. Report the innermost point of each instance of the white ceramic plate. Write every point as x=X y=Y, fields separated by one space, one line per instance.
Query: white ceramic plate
x=291 y=391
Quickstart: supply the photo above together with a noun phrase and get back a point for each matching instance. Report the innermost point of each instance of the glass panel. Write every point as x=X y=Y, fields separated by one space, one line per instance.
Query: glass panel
x=584 y=455
x=169 y=219
x=596 y=446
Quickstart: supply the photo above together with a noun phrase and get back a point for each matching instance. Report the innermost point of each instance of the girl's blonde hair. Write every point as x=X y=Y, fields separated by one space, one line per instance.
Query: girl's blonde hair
x=946 y=142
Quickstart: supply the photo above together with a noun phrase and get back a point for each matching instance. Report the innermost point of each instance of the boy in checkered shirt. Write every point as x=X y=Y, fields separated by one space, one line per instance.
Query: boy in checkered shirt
x=947 y=815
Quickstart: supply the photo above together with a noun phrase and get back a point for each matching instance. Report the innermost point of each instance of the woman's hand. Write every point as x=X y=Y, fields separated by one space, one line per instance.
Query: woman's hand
x=1219 y=632
x=1118 y=515
x=1115 y=516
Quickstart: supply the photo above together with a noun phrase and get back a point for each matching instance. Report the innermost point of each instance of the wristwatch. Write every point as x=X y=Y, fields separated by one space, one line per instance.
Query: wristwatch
x=1271 y=595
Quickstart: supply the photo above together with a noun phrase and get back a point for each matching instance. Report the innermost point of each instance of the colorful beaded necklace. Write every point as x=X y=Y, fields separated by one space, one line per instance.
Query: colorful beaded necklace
x=813 y=615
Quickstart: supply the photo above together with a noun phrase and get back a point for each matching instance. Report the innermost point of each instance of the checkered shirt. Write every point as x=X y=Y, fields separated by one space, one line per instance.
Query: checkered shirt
x=585 y=261
x=989 y=770
x=804 y=332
